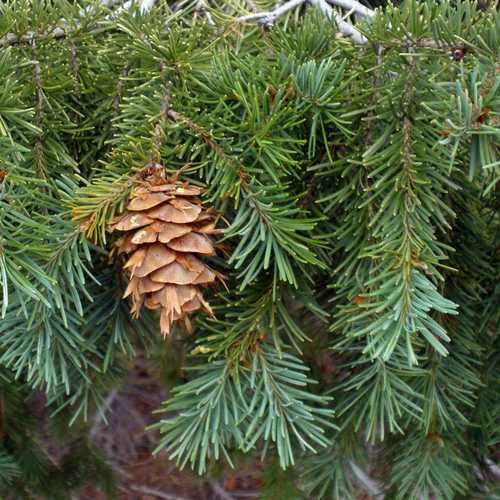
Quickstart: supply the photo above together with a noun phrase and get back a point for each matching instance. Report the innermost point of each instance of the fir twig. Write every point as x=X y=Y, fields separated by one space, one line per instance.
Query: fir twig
x=13 y=38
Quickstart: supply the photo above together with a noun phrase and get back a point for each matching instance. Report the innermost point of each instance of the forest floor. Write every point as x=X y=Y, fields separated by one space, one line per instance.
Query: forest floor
x=128 y=448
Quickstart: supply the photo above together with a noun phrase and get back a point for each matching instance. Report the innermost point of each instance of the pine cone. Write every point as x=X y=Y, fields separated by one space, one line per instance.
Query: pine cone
x=166 y=226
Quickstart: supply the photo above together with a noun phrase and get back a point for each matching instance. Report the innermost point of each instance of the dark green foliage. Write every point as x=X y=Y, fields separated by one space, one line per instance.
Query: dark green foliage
x=358 y=190
x=279 y=483
x=25 y=462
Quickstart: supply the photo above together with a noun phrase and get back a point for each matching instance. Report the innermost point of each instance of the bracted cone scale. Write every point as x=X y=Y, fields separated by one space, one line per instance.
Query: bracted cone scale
x=166 y=233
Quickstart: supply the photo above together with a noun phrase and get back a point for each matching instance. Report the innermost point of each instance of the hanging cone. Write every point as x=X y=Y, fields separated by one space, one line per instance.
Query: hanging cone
x=166 y=230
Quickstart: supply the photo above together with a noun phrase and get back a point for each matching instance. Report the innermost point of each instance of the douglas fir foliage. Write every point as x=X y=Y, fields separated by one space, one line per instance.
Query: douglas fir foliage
x=352 y=164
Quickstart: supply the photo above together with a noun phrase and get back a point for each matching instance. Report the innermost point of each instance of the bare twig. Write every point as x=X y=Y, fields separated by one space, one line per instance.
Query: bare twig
x=493 y=468
x=59 y=32
x=155 y=492
x=100 y=416
x=355 y=6
x=119 y=89
x=202 y=6
x=56 y=32
x=39 y=87
x=12 y=38
x=221 y=492
x=344 y=28
x=144 y=5
x=179 y=5
x=348 y=14
x=270 y=16
x=74 y=59
x=147 y=5
x=372 y=486
x=251 y=5
x=40 y=160
x=265 y=18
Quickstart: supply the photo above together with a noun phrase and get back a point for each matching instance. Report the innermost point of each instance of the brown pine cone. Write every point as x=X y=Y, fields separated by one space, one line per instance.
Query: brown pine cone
x=166 y=230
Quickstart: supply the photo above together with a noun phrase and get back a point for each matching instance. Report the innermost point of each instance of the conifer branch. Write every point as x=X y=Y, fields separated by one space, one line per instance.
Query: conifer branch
x=96 y=204
x=38 y=87
x=119 y=89
x=74 y=59
x=14 y=38
x=213 y=144
x=40 y=101
x=364 y=179
x=268 y=18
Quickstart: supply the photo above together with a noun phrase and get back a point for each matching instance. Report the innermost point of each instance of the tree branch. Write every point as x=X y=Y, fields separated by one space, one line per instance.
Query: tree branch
x=202 y=7
x=270 y=16
x=144 y=5
x=251 y=5
x=58 y=32
x=13 y=38
x=40 y=99
x=212 y=144
x=355 y=6
x=147 y=5
x=155 y=492
x=119 y=89
x=344 y=27
x=101 y=415
x=220 y=491
x=265 y=18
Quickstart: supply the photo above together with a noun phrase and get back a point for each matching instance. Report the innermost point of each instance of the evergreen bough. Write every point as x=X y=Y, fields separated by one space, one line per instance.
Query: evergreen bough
x=356 y=179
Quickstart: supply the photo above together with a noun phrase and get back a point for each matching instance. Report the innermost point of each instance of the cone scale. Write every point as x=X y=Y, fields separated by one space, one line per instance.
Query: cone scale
x=166 y=234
